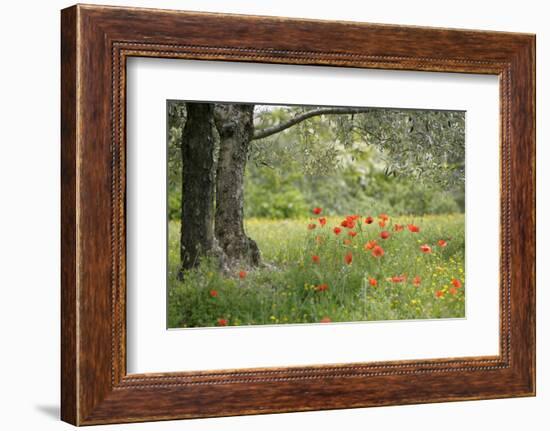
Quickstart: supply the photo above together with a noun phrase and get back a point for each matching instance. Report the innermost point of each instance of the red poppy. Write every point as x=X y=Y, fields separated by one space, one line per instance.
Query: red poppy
x=398 y=227
x=456 y=283
x=317 y=210
x=213 y=293
x=373 y=282
x=378 y=251
x=384 y=234
x=384 y=217
x=321 y=287
x=348 y=258
x=325 y=319
x=222 y=322
x=348 y=222
x=352 y=233
x=453 y=290
x=398 y=278
x=369 y=220
x=425 y=248
x=322 y=221
x=347 y=241
x=382 y=223
x=413 y=228
x=311 y=226
x=337 y=230
x=417 y=280
x=370 y=244
x=439 y=294
x=315 y=258
x=242 y=274
x=442 y=243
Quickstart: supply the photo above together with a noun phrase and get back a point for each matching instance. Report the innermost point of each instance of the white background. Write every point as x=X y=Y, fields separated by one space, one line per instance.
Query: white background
x=29 y=225
x=151 y=348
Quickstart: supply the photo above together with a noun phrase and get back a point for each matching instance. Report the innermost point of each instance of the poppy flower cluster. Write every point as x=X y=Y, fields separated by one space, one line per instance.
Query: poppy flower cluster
x=374 y=248
x=370 y=244
x=453 y=290
x=355 y=226
x=427 y=249
x=349 y=221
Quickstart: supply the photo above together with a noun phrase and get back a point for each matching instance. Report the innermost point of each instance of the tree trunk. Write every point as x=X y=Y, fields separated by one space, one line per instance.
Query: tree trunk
x=235 y=124
x=197 y=148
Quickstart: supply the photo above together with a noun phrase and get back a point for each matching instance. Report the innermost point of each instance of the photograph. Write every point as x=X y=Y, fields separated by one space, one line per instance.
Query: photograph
x=298 y=214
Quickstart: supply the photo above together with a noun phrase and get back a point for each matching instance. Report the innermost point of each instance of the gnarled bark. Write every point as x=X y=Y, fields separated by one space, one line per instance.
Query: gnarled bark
x=236 y=128
x=197 y=149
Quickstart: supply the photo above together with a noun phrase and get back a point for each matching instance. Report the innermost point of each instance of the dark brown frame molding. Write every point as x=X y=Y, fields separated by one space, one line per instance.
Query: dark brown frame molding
x=95 y=43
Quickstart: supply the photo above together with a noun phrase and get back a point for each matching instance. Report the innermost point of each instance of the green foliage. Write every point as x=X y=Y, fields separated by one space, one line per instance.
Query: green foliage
x=284 y=192
x=174 y=203
x=398 y=161
x=421 y=144
x=283 y=199
x=287 y=291
x=425 y=145
x=404 y=196
x=176 y=114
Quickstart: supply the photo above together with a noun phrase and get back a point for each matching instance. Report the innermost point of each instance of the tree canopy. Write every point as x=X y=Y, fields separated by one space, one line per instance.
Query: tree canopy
x=352 y=152
x=425 y=145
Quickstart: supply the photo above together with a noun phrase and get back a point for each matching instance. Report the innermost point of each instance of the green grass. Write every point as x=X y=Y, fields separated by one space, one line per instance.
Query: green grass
x=286 y=291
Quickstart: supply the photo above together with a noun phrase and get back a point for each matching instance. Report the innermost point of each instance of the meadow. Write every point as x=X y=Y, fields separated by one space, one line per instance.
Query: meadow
x=328 y=269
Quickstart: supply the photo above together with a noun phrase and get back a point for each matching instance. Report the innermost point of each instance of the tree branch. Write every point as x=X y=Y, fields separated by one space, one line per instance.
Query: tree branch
x=304 y=116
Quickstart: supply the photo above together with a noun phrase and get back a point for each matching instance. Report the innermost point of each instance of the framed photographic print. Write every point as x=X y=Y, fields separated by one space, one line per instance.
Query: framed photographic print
x=266 y=215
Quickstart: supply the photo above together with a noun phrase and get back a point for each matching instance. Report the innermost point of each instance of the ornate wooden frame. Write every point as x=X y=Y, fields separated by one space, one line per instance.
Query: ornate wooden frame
x=95 y=43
